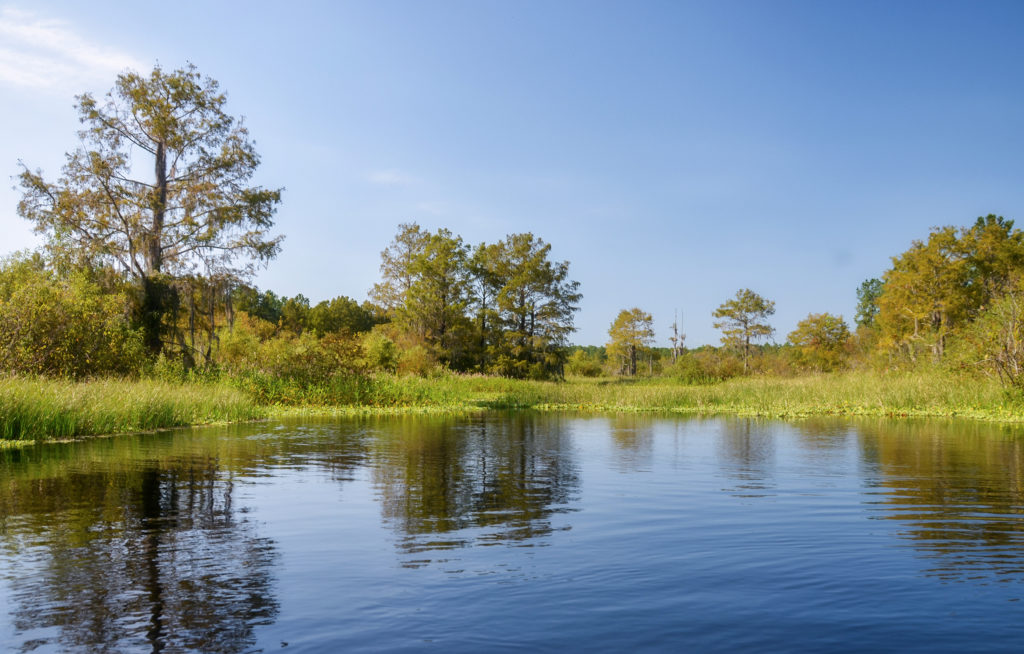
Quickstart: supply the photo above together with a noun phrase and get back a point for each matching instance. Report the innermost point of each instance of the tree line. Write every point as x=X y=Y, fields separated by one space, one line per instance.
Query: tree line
x=953 y=300
x=155 y=227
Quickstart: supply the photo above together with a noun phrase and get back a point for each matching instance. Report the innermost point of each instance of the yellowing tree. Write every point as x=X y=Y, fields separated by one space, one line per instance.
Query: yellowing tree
x=821 y=340
x=743 y=320
x=159 y=188
x=631 y=334
x=940 y=285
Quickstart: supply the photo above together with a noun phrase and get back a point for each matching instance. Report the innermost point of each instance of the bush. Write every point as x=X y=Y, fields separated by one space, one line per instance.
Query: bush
x=705 y=366
x=63 y=328
x=380 y=352
x=583 y=365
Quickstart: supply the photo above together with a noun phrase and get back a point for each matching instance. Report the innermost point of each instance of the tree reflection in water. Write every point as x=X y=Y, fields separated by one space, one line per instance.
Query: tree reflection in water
x=447 y=484
x=957 y=488
x=746 y=450
x=151 y=556
x=633 y=438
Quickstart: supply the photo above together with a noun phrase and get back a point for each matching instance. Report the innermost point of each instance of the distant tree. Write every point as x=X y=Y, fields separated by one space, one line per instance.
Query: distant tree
x=939 y=286
x=821 y=340
x=994 y=253
x=340 y=314
x=397 y=266
x=744 y=319
x=196 y=212
x=584 y=363
x=924 y=295
x=867 y=301
x=265 y=306
x=438 y=296
x=678 y=340
x=632 y=333
x=295 y=314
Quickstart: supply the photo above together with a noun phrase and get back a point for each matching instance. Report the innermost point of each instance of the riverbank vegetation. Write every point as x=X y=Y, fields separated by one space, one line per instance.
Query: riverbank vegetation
x=55 y=408
x=139 y=311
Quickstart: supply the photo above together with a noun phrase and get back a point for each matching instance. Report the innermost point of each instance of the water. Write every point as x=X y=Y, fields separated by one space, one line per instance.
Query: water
x=518 y=532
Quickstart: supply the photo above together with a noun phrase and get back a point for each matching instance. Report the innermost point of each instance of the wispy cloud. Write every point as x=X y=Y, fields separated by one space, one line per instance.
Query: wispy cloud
x=40 y=52
x=391 y=177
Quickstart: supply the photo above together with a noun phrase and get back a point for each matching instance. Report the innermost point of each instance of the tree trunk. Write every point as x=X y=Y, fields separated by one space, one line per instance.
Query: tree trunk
x=155 y=293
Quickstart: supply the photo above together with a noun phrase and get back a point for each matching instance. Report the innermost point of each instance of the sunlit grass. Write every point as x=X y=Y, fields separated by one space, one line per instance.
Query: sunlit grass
x=862 y=393
x=33 y=409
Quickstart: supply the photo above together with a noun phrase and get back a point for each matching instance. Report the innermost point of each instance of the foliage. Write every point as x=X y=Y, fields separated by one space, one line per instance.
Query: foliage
x=63 y=328
x=295 y=314
x=822 y=341
x=505 y=308
x=867 y=302
x=705 y=365
x=632 y=334
x=996 y=339
x=197 y=212
x=266 y=306
x=744 y=319
x=535 y=302
x=941 y=285
x=340 y=314
x=38 y=409
x=380 y=352
x=584 y=364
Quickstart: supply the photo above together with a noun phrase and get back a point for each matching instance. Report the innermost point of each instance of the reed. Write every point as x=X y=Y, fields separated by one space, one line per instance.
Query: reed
x=46 y=409
x=855 y=393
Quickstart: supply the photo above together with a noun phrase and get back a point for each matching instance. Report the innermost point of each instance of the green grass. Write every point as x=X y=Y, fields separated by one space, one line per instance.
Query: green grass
x=932 y=394
x=865 y=394
x=38 y=409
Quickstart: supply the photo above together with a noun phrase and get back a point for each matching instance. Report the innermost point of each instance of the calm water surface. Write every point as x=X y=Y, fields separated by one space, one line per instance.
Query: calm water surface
x=519 y=532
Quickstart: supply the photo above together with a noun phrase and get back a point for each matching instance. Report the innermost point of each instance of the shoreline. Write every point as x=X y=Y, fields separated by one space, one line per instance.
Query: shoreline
x=35 y=410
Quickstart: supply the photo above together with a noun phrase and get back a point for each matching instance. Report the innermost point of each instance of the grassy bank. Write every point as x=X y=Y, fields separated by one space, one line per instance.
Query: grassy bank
x=53 y=409
x=865 y=394
x=46 y=409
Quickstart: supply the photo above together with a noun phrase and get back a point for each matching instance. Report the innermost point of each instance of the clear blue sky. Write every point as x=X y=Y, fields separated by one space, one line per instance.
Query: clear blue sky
x=674 y=152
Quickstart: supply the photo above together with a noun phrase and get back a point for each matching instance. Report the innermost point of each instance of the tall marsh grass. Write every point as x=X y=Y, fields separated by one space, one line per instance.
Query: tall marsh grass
x=35 y=409
x=858 y=393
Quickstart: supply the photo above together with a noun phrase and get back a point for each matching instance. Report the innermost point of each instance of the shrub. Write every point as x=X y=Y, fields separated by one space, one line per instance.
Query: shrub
x=65 y=328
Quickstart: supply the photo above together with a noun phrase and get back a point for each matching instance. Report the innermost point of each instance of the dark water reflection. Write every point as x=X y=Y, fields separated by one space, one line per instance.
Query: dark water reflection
x=536 y=531
x=485 y=482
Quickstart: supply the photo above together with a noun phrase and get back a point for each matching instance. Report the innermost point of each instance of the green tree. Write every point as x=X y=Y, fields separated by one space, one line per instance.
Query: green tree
x=265 y=306
x=397 y=266
x=437 y=299
x=341 y=314
x=867 y=301
x=632 y=333
x=195 y=210
x=744 y=319
x=821 y=341
x=535 y=303
x=295 y=314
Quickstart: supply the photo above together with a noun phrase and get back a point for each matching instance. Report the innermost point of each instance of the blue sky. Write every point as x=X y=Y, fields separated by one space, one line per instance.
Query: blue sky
x=673 y=152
